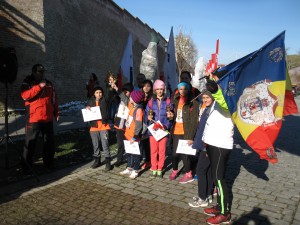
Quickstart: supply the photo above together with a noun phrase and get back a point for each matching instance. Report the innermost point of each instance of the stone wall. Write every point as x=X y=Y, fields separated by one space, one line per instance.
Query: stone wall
x=72 y=38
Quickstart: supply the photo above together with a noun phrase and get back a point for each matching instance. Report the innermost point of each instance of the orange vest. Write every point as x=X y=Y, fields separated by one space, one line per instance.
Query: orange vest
x=178 y=129
x=131 y=122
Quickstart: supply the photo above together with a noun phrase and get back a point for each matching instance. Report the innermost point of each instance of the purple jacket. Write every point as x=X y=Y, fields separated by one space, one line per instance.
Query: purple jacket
x=159 y=113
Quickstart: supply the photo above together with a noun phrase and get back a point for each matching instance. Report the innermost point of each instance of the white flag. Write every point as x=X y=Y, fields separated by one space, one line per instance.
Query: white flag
x=127 y=61
x=170 y=65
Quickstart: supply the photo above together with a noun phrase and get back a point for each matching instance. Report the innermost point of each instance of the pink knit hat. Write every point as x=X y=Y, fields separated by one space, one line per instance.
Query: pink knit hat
x=158 y=84
x=137 y=96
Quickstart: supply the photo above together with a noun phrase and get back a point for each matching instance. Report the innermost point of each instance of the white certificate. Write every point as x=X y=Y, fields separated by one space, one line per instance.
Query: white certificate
x=123 y=111
x=157 y=134
x=184 y=148
x=93 y=114
x=132 y=148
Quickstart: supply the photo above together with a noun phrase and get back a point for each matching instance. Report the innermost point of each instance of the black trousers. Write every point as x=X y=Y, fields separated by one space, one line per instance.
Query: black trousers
x=218 y=158
x=203 y=171
x=32 y=132
x=120 y=143
x=186 y=159
x=145 y=149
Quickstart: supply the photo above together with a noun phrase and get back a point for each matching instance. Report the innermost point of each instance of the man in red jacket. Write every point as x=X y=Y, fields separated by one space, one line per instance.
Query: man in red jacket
x=41 y=108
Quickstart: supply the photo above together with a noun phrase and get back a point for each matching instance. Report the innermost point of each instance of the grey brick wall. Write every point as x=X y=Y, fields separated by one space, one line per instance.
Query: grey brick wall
x=72 y=38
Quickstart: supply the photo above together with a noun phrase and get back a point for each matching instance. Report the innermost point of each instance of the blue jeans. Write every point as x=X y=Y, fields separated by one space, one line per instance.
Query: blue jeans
x=133 y=161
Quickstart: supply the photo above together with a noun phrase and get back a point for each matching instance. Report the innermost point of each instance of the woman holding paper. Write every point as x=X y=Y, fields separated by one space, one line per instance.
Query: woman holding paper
x=185 y=120
x=99 y=128
x=156 y=112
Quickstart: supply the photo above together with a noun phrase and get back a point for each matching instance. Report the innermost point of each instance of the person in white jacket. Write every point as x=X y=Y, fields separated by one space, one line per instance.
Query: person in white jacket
x=218 y=137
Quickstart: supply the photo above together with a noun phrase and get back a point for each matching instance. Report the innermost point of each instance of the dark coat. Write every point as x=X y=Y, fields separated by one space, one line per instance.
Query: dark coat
x=190 y=116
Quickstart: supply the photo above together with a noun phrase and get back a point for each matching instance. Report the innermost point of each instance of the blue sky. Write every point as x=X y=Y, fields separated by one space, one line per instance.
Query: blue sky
x=242 y=26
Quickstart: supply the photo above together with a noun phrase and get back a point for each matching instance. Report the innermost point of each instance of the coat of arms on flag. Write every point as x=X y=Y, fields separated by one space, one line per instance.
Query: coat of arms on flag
x=254 y=89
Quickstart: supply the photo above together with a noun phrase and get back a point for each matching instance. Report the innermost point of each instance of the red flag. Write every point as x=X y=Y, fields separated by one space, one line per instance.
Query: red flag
x=217 y=47
x=214 y=59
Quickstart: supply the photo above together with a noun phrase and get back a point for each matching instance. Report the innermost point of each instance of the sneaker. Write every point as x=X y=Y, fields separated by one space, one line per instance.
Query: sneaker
x=133 y=174
x=128 y=171
x=146 y=165
x=186 y=178
x=154 y=173
x=159 y=174
x=210 y=199
x=195 y=177
x=198 y=202
x=215 y=191
x=212 y=211
x=219 y=219
x=173 y=175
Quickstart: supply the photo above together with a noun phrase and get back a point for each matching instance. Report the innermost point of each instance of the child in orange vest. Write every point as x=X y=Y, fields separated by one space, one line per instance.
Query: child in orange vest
x=99 y=129
x=134 y=128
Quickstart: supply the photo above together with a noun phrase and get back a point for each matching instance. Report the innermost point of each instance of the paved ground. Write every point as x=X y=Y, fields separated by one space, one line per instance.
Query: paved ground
x=262 y=193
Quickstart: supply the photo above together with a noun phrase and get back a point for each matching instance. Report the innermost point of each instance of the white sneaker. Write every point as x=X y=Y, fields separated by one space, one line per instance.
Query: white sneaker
x=198 y=203
x=133 y=174
x=128 y=171
x=210 y=199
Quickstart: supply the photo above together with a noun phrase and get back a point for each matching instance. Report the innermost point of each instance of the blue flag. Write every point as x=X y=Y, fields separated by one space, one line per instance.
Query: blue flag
x=254 y=90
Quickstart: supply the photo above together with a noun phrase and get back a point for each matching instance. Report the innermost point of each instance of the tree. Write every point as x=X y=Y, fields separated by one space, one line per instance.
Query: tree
x=186 y=52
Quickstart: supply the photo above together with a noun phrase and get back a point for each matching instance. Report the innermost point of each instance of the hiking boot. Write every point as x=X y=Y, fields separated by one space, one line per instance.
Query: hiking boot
x=133 y=174
x=146 y=165
x=213 y=211
x=173 y=175
x=198 y=202
x=187 y=177
x=126 y=172
x=219 y=219
x=107 y=164
x=96 y=163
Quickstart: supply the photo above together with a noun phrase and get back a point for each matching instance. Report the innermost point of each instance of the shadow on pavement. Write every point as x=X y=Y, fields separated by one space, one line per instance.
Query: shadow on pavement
x=254 y=217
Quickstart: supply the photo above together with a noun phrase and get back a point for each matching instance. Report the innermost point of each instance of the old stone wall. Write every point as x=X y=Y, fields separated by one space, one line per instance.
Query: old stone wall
x=72 y=38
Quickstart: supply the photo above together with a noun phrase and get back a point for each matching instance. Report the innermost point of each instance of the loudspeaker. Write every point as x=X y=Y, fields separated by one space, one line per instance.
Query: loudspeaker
x=8 y=65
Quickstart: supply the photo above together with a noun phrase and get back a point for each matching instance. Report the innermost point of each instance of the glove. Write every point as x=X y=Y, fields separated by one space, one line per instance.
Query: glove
x=157 y=126
x=211 y=86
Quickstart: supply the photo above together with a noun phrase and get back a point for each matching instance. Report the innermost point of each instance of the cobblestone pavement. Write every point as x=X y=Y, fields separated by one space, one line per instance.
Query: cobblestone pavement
x=262 y=193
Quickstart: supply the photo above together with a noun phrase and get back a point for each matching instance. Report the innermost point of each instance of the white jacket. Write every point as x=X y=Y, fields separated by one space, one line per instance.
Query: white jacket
x=218 y=130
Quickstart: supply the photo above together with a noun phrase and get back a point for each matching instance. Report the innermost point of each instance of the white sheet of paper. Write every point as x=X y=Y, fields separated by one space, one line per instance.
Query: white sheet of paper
x=184 y=148
x=123 y=111
x=90 y=115
x=132 y=148
x=157 y=134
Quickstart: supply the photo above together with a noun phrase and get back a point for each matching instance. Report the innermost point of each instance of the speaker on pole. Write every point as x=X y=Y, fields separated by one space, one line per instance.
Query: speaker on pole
x=8 y=65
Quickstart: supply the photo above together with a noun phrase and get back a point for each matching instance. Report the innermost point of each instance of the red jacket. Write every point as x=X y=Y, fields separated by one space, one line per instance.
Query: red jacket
x=40 y=103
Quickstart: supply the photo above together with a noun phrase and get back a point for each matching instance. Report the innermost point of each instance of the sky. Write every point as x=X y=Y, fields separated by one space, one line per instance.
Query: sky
x=241 y=26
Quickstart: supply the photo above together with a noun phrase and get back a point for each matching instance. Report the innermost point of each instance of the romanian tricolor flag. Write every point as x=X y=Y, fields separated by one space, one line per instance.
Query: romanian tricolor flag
x=254 y=90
